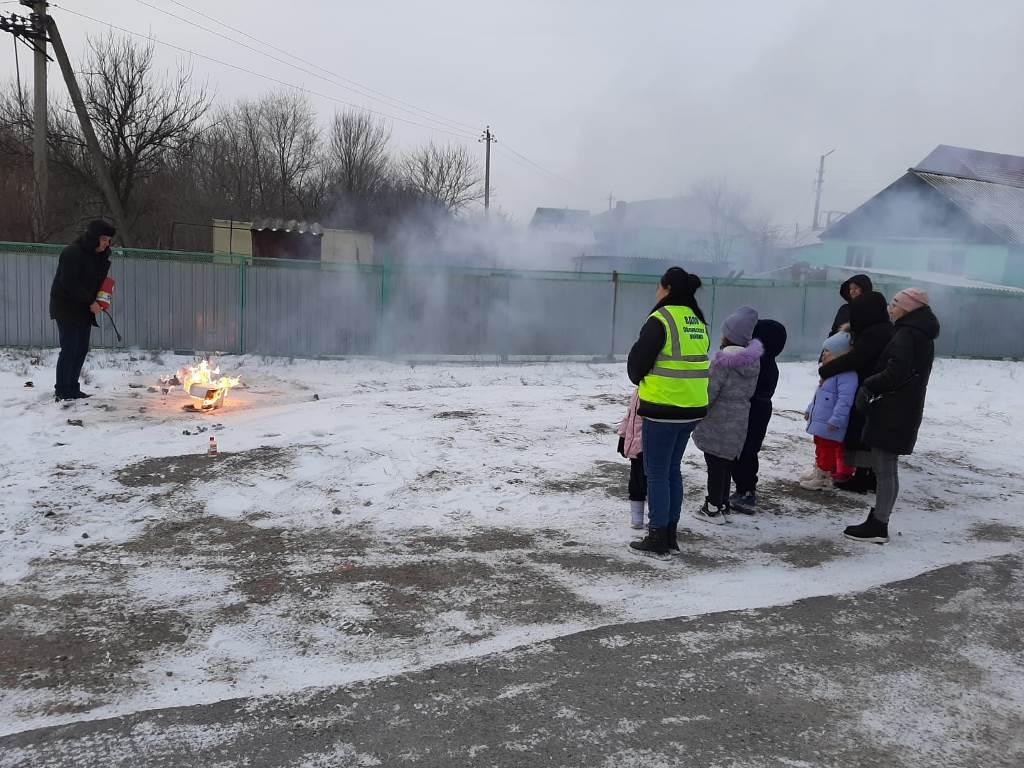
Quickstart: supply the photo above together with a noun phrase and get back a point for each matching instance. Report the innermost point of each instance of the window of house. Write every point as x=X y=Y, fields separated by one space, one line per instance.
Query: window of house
x=948 y=261
x=859 y=256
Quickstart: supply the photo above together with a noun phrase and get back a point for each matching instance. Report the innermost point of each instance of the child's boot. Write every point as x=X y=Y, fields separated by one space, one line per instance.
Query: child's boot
x=822 y=481
x=709 y=513
x=636 y=515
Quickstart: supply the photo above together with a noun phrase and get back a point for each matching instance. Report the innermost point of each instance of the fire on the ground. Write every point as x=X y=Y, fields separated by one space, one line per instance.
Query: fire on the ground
x=203 y=383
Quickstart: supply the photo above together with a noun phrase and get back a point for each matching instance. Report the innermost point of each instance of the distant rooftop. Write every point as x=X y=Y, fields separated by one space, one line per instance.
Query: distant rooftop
x=974 y=164
x=561 y=218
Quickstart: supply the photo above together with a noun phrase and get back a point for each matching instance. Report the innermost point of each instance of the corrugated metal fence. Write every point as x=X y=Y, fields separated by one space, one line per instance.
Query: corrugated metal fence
x=191 y=302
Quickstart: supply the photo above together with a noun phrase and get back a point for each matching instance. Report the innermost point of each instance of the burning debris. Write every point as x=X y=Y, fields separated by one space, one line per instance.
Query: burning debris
x=203 y=383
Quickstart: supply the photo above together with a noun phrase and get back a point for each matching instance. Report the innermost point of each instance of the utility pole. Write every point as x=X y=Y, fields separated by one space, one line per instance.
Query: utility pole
x=488 y=138
x=821 y=183
x=39 y=121
x=99 y=166
x=611 y=199
x=32 y=32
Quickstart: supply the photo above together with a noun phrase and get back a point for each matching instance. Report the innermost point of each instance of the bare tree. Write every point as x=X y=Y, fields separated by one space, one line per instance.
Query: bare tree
x=290 y=145
x=359 y=153
x=140 y=117
x=447 y=176
x=726 y=211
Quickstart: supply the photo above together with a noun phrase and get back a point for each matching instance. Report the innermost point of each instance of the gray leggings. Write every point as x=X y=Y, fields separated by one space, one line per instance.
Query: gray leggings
x=886 y=467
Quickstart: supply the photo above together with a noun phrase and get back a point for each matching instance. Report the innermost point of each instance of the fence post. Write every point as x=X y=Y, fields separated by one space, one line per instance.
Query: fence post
x=241 y=305
x=615 y=309
x=803 y=320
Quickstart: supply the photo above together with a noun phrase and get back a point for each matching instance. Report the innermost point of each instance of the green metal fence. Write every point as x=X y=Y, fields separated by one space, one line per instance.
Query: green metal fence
x=232 y=304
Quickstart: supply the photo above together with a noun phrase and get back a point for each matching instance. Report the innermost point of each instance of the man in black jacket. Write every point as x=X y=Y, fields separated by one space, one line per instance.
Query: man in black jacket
x=893 y=401
x=81 y=271
x=851 y=290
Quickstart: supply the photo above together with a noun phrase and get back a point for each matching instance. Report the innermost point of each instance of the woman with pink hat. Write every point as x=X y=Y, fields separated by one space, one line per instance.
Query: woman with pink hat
x=893 y=403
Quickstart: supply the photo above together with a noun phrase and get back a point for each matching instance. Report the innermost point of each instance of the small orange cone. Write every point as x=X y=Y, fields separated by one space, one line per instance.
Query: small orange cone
x=213 y=447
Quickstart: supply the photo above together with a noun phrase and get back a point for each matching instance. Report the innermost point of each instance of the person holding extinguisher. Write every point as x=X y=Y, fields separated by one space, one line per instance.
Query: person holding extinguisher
x=81 y=273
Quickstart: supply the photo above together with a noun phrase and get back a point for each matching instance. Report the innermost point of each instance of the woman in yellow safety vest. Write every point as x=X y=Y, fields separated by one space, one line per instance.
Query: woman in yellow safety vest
x=669 y=362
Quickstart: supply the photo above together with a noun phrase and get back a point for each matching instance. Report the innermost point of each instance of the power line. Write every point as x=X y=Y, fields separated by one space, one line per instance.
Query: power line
x=395 y=100
x=269 y=78
x=334 y=79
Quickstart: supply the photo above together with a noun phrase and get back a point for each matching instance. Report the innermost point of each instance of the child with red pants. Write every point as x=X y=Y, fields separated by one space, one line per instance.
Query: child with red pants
x=827 y=418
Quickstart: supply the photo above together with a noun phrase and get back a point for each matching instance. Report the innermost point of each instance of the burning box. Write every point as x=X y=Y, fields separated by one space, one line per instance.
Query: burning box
x=203 y=383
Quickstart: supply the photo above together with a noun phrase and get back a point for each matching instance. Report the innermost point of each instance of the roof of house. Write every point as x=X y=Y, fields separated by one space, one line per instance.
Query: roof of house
x=974 y=164
x=686 y=213
x=926 y=278
x=999 y=207
x=953 y=192
x=560 y=218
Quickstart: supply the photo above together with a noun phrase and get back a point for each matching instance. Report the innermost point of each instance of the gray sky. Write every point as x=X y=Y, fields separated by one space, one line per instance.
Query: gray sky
x=639 y=99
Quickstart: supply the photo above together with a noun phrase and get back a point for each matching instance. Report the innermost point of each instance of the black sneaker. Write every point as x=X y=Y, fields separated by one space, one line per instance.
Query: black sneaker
x=871 y=531
x=654 y=544
x=744 y=503
x=79 y=395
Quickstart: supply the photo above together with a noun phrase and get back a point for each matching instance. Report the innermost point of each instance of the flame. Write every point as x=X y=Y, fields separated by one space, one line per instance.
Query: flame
x=204 y=383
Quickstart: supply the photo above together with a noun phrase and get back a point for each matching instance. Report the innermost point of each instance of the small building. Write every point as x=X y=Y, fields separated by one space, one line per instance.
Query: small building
x=562 y=235
x=959 y=212
x=680 y=230
x=295 y=240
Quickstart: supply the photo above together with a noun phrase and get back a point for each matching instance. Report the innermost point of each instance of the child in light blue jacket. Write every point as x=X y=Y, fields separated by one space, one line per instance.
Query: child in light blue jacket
x=827 y=418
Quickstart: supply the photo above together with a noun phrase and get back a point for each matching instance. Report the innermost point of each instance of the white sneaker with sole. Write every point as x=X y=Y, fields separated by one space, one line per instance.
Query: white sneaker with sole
x=711 y=514
x=822 y=481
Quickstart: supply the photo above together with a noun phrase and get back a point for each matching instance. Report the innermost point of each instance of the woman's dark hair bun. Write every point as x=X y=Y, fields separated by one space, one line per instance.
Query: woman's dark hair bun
x=693 y=282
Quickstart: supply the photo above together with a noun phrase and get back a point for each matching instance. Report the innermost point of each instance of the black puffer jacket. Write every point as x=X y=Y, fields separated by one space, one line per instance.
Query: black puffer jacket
x=772 y=335
x=80 y=273
x=898 y=388
x=871 y=330
x=843 y=315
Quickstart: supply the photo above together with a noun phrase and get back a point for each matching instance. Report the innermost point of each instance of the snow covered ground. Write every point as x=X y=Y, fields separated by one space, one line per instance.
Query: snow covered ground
x=409 y=515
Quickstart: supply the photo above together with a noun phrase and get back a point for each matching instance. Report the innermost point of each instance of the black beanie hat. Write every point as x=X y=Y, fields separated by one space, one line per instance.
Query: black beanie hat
x=98 y=228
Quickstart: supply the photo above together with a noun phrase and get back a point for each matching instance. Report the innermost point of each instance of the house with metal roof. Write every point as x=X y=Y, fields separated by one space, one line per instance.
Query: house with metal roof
x=958 y=213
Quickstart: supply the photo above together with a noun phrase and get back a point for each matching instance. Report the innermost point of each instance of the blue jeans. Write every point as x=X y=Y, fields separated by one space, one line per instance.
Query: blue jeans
x=664 y=444
x=74 y=346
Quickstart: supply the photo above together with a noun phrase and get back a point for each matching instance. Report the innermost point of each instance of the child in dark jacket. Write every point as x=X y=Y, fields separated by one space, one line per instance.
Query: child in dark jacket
x=720 y=434
x=828 y=416
x=772 y=335
x=631 y=446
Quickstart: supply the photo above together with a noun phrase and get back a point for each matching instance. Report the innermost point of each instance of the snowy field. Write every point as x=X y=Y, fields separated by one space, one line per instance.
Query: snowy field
x=408 y=516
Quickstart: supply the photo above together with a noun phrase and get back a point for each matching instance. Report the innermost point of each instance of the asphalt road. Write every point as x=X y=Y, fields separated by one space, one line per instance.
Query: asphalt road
x=926 y=672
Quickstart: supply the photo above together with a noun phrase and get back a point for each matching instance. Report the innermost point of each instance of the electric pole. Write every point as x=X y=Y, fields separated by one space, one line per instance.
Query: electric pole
x=821 y=183
x=488 y=138
x=32 y=32
x=99 y=165
x=39 y=118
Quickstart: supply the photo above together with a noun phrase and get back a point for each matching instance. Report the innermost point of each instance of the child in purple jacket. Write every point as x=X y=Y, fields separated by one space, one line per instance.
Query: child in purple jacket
x=827 y=418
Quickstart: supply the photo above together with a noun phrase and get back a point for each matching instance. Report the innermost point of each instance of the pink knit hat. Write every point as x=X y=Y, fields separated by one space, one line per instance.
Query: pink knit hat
x=911 y=299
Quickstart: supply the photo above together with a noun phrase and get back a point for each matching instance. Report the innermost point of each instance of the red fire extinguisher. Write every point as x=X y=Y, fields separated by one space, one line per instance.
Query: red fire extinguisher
x=106 y=294
x=104 y=297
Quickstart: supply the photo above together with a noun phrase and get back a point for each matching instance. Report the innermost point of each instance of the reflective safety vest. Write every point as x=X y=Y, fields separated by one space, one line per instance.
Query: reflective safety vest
x=680 y=374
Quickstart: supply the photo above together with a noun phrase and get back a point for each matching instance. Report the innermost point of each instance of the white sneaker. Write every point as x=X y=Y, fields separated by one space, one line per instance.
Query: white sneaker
x=711 y=514
x=822 y=481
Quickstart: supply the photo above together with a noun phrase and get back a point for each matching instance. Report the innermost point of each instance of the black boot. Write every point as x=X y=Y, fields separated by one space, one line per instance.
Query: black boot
x=871 y=530
x=654 y=544
x=861 y=482
x=672 y=538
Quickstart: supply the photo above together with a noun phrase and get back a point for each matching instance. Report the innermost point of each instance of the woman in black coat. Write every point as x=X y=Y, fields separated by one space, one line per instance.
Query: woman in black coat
x=892 y=399
x=851 y=290
x=871 y=330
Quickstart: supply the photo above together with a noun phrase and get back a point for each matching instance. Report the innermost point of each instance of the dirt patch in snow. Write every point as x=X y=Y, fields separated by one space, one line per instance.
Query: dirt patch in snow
x=612 y=477
x=806 y=553
x=179 y=470
x=997 y=532
x=79 y=642
x=786 y=497
x=494 y=540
